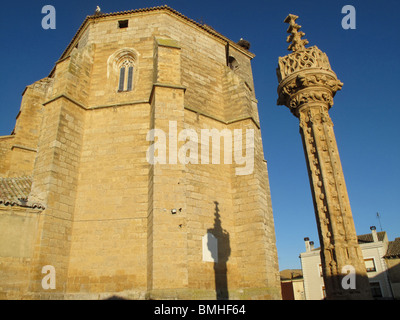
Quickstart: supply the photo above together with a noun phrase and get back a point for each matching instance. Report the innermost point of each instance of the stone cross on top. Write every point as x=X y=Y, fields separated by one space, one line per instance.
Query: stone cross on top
x=297 y=44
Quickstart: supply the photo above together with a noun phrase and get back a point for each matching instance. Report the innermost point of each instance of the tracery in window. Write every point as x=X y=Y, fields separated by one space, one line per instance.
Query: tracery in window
x=126 y=75
x=123 y=70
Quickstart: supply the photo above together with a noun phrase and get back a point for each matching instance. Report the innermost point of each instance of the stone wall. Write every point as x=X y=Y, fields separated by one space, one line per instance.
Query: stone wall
x=18 y=230
x=115 y=224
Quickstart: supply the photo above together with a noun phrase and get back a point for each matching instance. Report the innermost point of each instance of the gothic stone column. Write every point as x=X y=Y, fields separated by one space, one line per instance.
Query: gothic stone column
x=307 y=87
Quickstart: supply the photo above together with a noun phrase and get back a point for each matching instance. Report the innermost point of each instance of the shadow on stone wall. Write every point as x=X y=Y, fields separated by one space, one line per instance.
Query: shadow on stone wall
x=220 y=256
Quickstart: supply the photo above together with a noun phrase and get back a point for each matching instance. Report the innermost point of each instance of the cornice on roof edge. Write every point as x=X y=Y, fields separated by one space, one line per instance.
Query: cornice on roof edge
x=159 y=8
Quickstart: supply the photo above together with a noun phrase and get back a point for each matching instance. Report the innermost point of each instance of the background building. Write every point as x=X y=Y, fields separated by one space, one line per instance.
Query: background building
x=292 y=284
x=392 y=259
x=375 y=249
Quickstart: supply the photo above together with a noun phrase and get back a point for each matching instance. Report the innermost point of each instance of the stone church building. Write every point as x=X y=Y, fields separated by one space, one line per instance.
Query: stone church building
x=87 y=211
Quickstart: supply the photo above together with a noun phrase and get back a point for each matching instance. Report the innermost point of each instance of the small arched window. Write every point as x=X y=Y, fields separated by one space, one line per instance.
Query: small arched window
x=232 y=63
x=126 y=75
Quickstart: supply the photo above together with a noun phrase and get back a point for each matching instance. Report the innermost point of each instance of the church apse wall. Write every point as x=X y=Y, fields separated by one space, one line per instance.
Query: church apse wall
x=110 y=219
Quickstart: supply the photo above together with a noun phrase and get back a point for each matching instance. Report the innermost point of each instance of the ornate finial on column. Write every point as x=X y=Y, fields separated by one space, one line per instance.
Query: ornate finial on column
x=305 y=75
x=296 y=43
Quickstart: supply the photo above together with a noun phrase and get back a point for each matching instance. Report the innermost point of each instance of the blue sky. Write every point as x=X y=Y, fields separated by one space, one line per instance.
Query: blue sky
x=366 y=112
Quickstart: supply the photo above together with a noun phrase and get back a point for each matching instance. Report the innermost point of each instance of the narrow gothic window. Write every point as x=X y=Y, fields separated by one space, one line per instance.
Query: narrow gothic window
x=130 y=75
x=126 y=76
x=121 y=79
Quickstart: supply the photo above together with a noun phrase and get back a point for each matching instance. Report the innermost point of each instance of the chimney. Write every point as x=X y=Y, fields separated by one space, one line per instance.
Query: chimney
x=374 y=234
x=311 y=245
x=307 y=242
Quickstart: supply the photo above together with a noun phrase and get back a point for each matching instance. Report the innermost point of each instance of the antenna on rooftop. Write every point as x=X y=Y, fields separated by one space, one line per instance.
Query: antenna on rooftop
x=379 y=219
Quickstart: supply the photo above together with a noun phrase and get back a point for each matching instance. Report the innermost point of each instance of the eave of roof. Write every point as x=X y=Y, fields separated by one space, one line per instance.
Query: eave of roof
x=290 y=274
x=158 y=8
x=15 y=191
x=367 y=238
x=393 y=249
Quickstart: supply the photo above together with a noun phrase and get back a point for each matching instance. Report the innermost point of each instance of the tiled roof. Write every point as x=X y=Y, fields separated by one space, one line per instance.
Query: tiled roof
x=366 y=238
x=15 y=192
x=393 y=249
x=288 y=274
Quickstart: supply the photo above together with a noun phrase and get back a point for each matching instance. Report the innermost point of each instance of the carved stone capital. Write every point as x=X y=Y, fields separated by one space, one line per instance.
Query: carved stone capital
x=306 y=77
x=307 y=96
x=307 y=87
